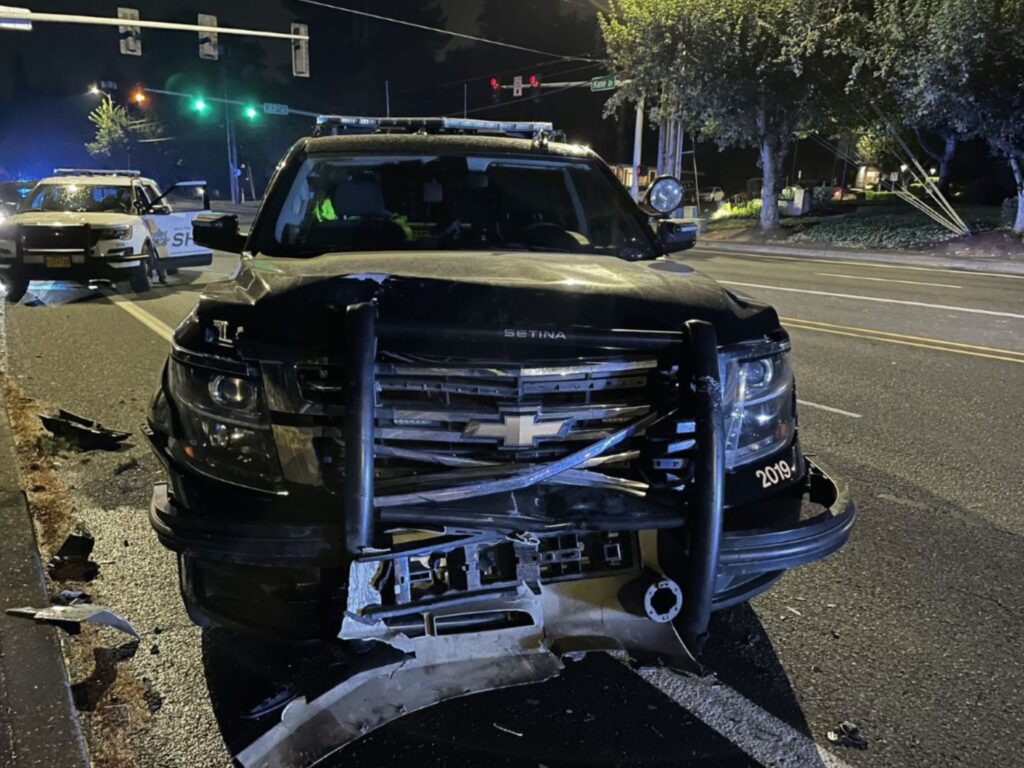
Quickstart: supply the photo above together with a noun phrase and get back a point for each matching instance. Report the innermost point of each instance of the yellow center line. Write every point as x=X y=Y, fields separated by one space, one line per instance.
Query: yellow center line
x=158 y=326
x=905 y=343
x=926 y=339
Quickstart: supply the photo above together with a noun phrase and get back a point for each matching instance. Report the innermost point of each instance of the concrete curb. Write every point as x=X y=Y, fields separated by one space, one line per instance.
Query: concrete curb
x=998 y=266
x=39 y=726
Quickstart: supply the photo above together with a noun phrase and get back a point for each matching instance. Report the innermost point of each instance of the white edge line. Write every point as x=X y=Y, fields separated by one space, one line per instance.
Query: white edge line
x=830 y=409
x=862 y=263
x=886 y=280
x=760 y=734
x=879 y=299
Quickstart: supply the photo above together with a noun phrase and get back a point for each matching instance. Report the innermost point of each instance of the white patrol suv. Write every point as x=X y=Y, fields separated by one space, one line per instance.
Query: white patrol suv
x=83 y=225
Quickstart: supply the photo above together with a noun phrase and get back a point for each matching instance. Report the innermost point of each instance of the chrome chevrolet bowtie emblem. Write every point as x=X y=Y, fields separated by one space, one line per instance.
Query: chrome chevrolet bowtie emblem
x=517 y=430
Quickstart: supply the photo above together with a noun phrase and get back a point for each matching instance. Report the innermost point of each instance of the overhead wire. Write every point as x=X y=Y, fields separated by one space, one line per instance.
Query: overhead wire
x=450 y=33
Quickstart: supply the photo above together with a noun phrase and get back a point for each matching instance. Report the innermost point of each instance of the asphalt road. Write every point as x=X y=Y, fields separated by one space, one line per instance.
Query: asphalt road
x=911 y=381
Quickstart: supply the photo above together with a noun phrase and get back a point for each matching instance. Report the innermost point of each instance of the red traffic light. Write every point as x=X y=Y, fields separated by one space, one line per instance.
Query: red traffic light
x=534 y=81
x=495 y=84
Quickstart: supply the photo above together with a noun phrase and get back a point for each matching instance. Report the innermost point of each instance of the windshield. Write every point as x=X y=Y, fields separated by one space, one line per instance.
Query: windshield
x=378 y=203
x=92 y=198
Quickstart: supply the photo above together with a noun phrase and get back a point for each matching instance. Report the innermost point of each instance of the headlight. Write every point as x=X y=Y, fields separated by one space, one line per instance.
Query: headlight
x=116 y=233
x=227 y=430
x=757 y=399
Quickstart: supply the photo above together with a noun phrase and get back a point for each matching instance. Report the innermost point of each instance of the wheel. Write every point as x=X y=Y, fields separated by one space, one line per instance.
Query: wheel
x=16 y=289
x=140 y=280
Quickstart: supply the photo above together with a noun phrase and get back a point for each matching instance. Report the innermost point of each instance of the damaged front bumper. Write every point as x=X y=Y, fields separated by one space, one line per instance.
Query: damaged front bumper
x=562 y=619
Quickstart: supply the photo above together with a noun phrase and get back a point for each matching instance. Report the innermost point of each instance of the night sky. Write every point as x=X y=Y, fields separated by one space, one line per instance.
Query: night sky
x=45 y=74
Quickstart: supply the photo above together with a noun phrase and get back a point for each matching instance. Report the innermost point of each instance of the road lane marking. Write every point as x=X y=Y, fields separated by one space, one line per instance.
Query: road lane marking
x=760 y=734
x=864 y=263
x=901 y=342
x=906 y=336
x=880 y=300
x=886 y=280
x=155 y=324
x=830 y=409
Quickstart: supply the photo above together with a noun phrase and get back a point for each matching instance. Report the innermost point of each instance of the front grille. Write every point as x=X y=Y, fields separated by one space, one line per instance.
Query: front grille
x=43 y=238
x=454 y=421
x=507 y=412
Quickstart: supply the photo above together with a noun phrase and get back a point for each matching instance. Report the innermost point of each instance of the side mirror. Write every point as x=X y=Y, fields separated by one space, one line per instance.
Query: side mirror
x=676 y=236
x=218 y=231
x=663 y=196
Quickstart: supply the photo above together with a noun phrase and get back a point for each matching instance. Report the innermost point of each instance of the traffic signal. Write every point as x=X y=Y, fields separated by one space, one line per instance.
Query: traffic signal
x=534 y=81
x=139 y=96
x=495 y=90
x=495 y=84
x=199 y=104
x=250 y=112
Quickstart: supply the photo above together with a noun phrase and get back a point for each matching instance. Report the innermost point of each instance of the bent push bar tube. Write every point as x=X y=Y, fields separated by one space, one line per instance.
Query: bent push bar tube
x=360 y=353
x=700 y=356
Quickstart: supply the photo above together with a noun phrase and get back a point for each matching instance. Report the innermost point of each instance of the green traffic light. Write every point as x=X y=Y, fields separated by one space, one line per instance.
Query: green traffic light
x=199 y=104
x=250 y=112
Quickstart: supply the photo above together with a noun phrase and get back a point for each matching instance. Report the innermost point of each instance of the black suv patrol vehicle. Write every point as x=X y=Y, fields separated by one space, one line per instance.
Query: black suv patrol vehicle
x=458 y=395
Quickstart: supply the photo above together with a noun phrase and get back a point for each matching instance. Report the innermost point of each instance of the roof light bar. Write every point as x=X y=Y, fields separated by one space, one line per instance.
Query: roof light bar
x=429 y=124
x=94 y=172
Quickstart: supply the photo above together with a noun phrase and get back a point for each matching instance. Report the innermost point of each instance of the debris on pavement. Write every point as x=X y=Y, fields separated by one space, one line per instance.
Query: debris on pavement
x=82 y=433
x=72 y=563
x=503 y=729
x=71 y=617
x=847 y=734
x=271 y=704
x=126 y=466
x=70 y=597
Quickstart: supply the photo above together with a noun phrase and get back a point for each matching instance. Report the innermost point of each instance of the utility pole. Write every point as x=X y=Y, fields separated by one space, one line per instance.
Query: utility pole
x=465 y=99
x=638 y=141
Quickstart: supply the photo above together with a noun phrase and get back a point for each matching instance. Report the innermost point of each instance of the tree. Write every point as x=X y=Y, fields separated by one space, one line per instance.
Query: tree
x=117 y=131
x=996 y=80
x=920 y=52
x=746 y=74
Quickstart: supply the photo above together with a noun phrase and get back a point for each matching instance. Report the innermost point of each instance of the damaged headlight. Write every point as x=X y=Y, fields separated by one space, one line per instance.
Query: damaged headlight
x=227 y=429
x=757 y=399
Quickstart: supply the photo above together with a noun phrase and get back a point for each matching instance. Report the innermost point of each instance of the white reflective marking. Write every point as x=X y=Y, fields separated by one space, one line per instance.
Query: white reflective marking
x=760 y=734
x=886 y=280
x=830 y=409
x=159 y=327
x=971 y=310
x=864 y=263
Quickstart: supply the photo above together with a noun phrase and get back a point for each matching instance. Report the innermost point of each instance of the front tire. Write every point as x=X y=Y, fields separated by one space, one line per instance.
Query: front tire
x=16 y=290
x=140 y=280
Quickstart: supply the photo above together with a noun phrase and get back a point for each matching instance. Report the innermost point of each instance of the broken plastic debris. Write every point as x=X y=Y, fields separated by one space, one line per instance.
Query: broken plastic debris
x=848 y=735
x=70 y=597
x=72 y=559
x=70 y=617
x=503 y=729
x=84 y=434
x=278 y=700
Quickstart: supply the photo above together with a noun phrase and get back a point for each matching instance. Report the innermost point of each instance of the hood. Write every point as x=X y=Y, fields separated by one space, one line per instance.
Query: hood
x=297 y=302
x=72 y=218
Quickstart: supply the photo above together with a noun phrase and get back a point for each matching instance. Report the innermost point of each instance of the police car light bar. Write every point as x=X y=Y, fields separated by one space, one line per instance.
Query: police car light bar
x=94 y=172
x=454 y=124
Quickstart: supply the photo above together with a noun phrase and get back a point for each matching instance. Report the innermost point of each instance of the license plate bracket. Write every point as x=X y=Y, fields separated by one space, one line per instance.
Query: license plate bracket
x=57 y=262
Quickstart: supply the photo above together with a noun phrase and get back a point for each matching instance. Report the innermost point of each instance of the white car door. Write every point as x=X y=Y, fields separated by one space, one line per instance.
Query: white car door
x=170 y=224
